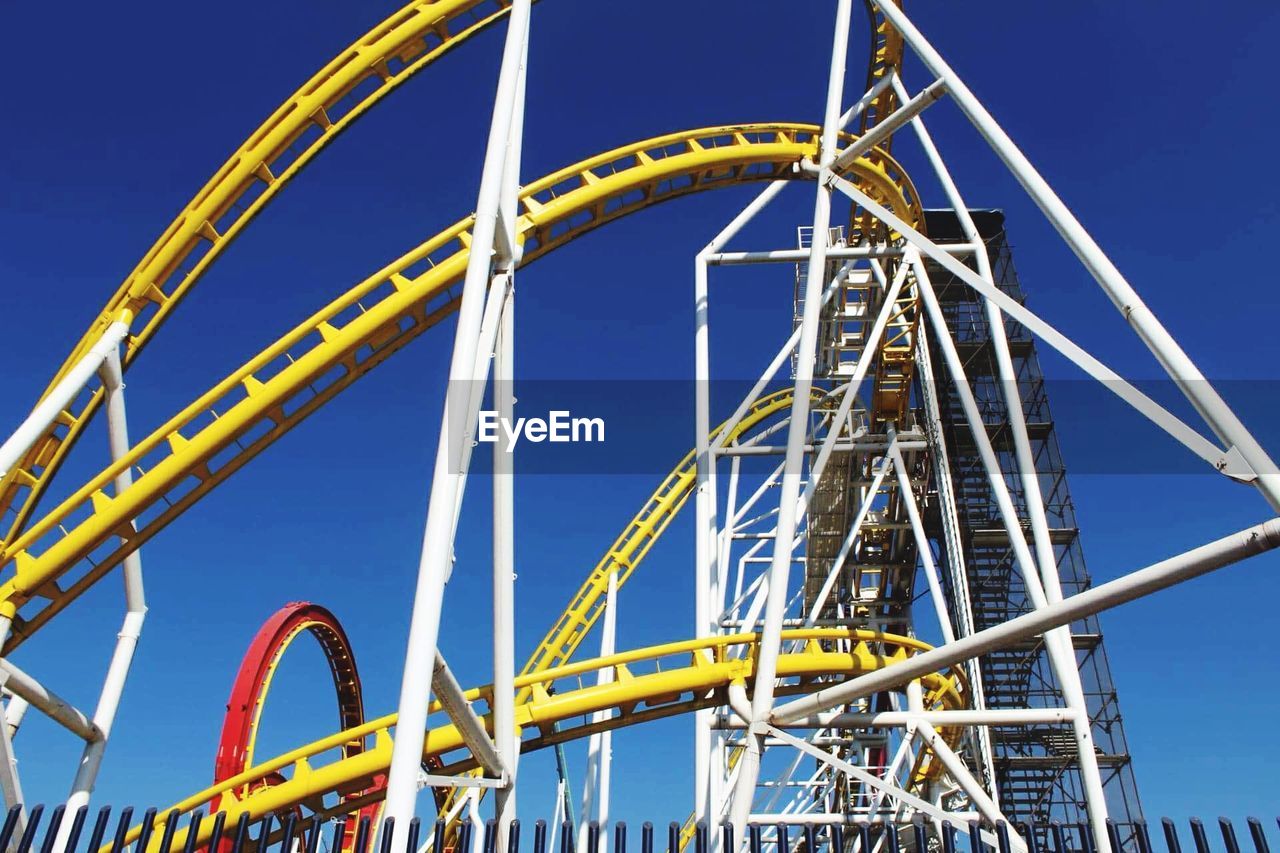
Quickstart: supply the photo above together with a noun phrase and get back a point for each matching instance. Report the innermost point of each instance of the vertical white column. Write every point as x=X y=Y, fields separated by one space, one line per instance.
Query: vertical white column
x=135 y=605
x=705 y=550
x=504 y=569
x=595 y=791
x=447 y=478
x=780 y=564
x=706 y=571
x=504 y=667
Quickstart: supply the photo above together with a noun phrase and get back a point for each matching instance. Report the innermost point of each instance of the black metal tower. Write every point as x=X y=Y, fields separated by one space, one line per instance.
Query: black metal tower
x=1038 y=779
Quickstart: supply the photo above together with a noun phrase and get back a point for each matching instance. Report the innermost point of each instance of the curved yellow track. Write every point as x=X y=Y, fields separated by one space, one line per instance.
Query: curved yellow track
x=680 y=677
x=323 y=107
x=201 y=446
x=335 y=96
x=227 y=426
x=631 y=546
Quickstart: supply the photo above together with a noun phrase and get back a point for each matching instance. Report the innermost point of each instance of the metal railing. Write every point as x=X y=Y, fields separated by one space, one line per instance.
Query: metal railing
x=293 y=834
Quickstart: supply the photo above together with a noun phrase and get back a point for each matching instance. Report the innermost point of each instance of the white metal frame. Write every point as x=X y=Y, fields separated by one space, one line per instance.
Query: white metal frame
x=25 y=691
x=815 y=726
x=1237 y=456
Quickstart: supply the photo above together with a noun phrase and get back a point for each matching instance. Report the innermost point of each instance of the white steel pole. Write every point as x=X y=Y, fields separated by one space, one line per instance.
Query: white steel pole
x=705 y=551
x=780 y=566
x=57 y=400
x=908 y=498
x=1175 y=361
x=504 y=573
x=136 y=610
x=903 y=719
x=1190 y=564
x=595 y=791
x=437 y=545
x=504 y=570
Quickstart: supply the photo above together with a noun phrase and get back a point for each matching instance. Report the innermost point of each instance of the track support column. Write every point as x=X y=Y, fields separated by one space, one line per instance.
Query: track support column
x=135 y=613
x=449 y=474
x=797 y=429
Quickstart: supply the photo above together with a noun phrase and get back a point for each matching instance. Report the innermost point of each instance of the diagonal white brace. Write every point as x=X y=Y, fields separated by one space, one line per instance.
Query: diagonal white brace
x=1156 y=413
x=873 y=781
x=470 y=726
x=1213 y=555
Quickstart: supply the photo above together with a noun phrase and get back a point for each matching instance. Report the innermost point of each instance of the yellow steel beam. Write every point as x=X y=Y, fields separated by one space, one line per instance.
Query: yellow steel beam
x=218 y=433
x=682 y=677
x=340 y=92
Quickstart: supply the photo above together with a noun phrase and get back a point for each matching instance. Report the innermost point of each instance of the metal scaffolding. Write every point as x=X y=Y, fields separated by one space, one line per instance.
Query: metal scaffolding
x=1038 y=778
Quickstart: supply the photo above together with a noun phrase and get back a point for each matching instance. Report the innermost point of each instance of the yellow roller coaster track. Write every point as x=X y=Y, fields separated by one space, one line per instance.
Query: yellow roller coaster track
x=239 y=417
x=334 y=97
x=218 y=433
x=631 y=546
x=696 y=674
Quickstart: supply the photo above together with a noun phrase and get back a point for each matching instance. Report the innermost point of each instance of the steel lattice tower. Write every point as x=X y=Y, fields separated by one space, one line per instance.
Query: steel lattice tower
x=1037 y=778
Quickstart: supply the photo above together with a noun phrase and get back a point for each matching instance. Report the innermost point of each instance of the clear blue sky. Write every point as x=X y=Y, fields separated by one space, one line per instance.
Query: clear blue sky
x=1155 y=121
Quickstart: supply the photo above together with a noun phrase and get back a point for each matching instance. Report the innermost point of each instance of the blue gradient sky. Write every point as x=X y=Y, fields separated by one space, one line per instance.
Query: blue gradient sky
x=1155 y=121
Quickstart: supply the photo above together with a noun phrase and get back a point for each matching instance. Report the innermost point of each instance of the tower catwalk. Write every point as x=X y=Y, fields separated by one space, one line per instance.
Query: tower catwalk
x=1036 y=775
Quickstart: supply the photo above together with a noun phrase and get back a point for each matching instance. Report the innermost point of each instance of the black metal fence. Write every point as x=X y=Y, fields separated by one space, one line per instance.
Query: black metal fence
x=292 y=833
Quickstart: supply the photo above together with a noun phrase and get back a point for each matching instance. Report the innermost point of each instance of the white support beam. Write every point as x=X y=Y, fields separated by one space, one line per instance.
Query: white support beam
x=19 y=683
x=1114 y=382
x=448 y=477
x=135 y=610
x=1176 y=363
x=1230 y=549
x=59 y=397
x=505 y=738
x=906 y=719
x=888 y=125
x=454 y=702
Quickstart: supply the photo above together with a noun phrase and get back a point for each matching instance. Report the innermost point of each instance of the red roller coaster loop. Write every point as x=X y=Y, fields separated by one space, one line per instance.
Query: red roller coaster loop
x=253 y=681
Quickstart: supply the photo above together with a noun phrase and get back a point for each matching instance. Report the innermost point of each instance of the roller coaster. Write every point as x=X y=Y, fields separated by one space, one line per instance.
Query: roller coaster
x=860 y=445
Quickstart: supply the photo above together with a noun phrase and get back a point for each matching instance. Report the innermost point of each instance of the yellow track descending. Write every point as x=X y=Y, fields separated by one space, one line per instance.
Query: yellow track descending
x=218 y=433
x=683 y=677
x=335 y=96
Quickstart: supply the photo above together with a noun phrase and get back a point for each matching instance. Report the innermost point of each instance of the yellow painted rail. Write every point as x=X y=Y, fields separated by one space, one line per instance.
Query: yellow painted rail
x=631 y=546
x=227 y=426
x=648 y=684
x=334 y=97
